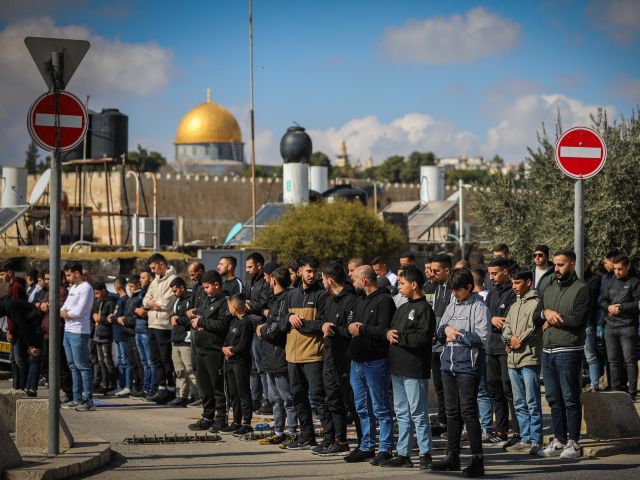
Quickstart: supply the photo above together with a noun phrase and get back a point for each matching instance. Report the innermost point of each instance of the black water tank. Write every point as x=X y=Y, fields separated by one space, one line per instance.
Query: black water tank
x=109 y=133
x=295 y=146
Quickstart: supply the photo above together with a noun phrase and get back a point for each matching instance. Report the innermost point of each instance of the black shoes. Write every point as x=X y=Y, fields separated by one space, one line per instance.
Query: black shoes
x=398 y=462
x=425 y=461
x=200 y=425
x=476 y=469
x=450 y=463
x=162 y=397
x=243 y=430
x=217 y=427
x=358 y=455
x=337 y=449
x=302 y=445
x=381 y=457
x=178 y=402
x=318 y=449
x=231 y=428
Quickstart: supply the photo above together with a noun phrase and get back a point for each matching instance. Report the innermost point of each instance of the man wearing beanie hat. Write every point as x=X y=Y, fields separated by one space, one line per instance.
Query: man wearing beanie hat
x=542 y=269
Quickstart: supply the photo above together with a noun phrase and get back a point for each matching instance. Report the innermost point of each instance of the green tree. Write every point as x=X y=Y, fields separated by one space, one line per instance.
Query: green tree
x=338 y=229
x=319 y=159
x=31 y=158
x=147 y=161
x=410 y=172
x=538 y=208
x=390 y=169
x=474 y=177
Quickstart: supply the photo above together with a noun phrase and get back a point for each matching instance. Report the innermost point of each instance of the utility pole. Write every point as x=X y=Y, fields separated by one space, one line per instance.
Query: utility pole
x=461 y=218
x=253 y=133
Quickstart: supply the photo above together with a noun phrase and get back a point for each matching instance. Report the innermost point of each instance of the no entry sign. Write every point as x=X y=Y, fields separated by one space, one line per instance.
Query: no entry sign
x=73 y=121
x=580 y=153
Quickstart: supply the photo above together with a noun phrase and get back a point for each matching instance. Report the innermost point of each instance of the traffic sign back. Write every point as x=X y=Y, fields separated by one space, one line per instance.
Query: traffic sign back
x=580 y=153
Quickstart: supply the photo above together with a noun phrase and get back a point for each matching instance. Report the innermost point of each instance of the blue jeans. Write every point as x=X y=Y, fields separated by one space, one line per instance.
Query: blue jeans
x=410 y=402
x=34 y=373
x=370 y=383
x=592 y=356
x=125 y=367
x=77 y=350
x=282 y=401
x=150 y=376
x=485 y=407
x=525 y=383
x=562 y=374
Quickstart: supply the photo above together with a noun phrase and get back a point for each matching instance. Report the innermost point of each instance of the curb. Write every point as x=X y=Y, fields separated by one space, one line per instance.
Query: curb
x=87 y=454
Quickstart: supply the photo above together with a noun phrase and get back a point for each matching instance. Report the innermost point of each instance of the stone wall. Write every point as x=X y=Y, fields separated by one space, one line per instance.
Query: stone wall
x=209 y=205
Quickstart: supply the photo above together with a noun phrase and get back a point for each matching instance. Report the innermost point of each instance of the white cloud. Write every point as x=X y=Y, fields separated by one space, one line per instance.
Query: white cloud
x=620 y=19
x=451 y=40
x=110 y=71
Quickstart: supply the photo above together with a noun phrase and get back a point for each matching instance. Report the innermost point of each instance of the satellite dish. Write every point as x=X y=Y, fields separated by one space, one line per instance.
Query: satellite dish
x=233 y=232
x=40 y=187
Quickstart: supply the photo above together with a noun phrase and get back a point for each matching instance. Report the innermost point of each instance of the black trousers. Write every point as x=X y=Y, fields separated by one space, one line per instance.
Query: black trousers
x=239 y=388
x=622 y=351
x=137 y=373
x=306 y=381
x=65 y=374
x=210 y=376
x=499 y=386
x=335 y=373
x=461 y=397
x=160 y=346
x=436 y=375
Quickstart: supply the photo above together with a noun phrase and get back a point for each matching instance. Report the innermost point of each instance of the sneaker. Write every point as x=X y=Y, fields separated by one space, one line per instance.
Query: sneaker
x=358 y=455
x=85 y=406
x=437 y=429
x=114 y=392
x=425 y=461
x=512 y=442
x=494 y=438
x=232 y=427
x=243 y=430
x=178 y=402
x=572 y=450
x=397 y=462
x=200 y=425
x=518 y=447
x=31 y=393
x=380 y=457
x=486 y=436
x=216 y=427
x=195 y=403
x=450 y=463
x=71 y=404
x=139 y=394
x=162 y=397
x=534 y=450
x=302 y=445
x=288 y=441
x=125 y=392
x=273 y=439
x=321 y=447
x=553 y=449
x=336 y=450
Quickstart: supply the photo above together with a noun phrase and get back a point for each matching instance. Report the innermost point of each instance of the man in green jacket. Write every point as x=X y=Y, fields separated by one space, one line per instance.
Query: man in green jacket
x=522 y=336
x=565 y=314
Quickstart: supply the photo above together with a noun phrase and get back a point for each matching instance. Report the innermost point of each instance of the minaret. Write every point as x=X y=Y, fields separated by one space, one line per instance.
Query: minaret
x=342 y=159
x=208 y=95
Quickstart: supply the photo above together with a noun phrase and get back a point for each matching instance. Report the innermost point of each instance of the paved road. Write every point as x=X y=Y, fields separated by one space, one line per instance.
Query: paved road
x=114 y=420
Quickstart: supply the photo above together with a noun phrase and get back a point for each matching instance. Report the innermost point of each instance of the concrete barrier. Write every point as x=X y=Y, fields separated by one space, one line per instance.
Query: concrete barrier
x=8 y=400
x=9 y=455
x=609 y=415
x=32 y=417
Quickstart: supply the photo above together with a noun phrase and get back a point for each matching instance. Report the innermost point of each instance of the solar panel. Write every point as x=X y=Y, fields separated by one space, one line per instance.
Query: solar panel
x=9 y=215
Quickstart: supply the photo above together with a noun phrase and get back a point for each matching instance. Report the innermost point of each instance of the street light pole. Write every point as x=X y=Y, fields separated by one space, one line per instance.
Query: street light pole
x=461 y=218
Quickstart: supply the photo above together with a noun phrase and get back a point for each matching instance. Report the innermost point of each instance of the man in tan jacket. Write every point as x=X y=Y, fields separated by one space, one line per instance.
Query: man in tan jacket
x=522 y=336
x=159 y=302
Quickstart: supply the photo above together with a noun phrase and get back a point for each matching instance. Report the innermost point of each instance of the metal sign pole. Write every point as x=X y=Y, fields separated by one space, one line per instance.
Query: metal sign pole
x=578 y=228
x=54 y=269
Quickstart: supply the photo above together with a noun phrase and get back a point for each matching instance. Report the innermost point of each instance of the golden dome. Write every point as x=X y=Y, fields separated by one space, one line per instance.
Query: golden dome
x=208 y=123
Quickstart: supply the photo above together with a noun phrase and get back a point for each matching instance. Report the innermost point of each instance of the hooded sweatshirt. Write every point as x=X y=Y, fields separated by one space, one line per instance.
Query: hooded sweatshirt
x=160 y=292
x=471 y=318
x=274 y=338
x=523 y=321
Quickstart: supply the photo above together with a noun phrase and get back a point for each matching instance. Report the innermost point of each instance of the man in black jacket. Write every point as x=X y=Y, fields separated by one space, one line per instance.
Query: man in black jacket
x=210 y=329
x=335 y=371
x=410 y=338
x=256 y=289
x=181 y=344
x=620 y=300
x=368 y=325
x=128 y=321
x=198 y=297
x=103 y=306
x=273 y=362
x=499 y=300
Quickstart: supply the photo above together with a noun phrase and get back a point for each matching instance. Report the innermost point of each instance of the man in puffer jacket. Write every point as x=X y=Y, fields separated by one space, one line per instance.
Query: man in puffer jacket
x=464 y=329
x=159 y=301
x=523 y=339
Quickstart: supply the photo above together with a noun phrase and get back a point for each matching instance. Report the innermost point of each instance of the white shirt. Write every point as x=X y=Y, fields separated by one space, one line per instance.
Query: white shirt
x=393 y=278
x=539 y=273
x=79 y=303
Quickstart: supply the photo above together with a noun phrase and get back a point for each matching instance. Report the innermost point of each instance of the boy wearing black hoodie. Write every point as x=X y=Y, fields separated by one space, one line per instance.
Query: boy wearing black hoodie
x=410 y=339
x=237 y=350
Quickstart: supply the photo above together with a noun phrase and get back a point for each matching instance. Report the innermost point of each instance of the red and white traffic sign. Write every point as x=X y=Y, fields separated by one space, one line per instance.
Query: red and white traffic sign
x=581 y=153
x=73 y=121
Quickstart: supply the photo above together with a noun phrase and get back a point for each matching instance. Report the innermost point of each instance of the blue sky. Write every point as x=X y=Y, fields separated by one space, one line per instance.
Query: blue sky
x=473 y=78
